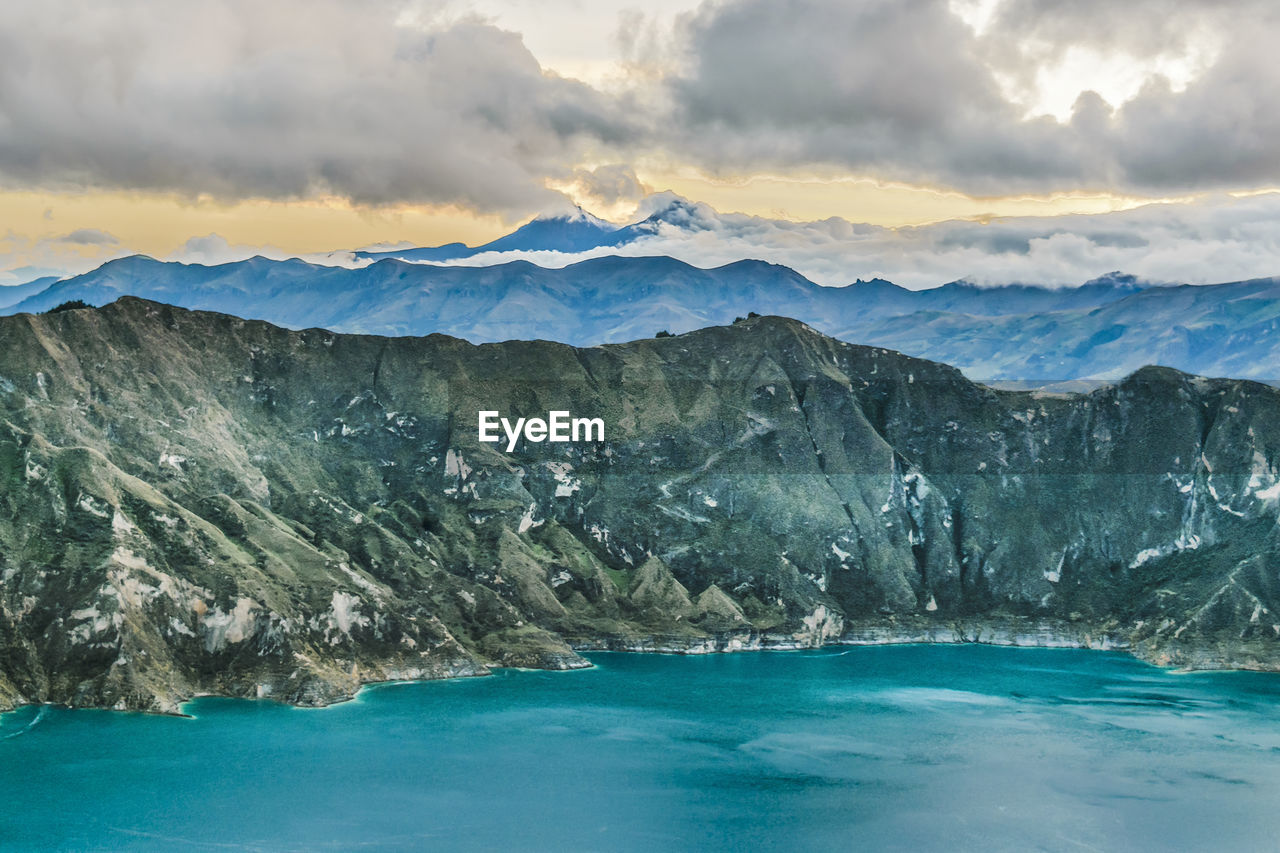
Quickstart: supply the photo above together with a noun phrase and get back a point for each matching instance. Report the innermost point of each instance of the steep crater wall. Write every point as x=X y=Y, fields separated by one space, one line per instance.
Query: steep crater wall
x=193 y=503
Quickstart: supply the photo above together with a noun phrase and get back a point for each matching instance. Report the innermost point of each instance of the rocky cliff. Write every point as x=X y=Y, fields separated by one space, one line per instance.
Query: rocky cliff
x=194 y=503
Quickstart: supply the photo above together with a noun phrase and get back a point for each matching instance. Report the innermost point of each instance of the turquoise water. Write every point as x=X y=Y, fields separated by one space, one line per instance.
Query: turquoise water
x=908 y=747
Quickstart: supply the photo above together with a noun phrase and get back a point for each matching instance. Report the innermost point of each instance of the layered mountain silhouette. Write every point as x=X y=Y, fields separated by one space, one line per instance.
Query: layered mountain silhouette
x=576 y=232
x=15 y=293
x=579 y=231
x=1019 y=333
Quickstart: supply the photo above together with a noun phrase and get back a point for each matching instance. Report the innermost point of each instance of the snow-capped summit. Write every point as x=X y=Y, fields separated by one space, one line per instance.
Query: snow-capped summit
x=578 y=215
x=573 y=232
x=576 y=230
x=668 y=209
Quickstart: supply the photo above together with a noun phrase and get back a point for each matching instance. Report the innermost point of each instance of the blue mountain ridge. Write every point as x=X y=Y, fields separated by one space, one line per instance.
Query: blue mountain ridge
x=12 y=294
x=1015 y=333
x=577 y=232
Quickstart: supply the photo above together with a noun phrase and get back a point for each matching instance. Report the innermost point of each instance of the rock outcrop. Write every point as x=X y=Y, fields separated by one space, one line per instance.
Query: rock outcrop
x=194 y=503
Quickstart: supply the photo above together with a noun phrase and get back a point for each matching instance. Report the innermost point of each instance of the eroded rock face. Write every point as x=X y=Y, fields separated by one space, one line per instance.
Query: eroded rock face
x=193 y=503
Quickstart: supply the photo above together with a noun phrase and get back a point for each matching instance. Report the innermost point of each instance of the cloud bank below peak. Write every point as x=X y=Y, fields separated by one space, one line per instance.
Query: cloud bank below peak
x=1216 y=239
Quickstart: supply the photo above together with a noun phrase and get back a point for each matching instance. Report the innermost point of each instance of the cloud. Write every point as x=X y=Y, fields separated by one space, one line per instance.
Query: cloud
x=611 y=184
x=1213 y=240
x=24 y=257
x=884 y=86
x=907 y=90
x=213 y=249
x=1144 y=29
x=287 y=100
x=387 y=102
x=88 y=237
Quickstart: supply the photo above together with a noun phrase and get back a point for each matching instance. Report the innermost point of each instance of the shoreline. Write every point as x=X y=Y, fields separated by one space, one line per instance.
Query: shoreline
x=1010 y=632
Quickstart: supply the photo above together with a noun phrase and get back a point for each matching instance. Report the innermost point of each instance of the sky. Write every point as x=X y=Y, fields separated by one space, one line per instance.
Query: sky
x=919 y=140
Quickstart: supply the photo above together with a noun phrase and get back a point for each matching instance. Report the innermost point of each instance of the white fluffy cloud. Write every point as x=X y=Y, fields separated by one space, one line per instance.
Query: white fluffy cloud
x=24 y=258
x=213 y=249
x=1214 y=240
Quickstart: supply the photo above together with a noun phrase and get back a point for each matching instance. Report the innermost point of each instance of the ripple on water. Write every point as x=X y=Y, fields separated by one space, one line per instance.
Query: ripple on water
x=902 y=747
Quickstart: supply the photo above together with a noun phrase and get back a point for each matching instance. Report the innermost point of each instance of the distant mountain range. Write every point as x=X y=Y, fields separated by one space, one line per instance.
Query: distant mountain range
x=575 y=232
x=1014 y=333
x=15 y=293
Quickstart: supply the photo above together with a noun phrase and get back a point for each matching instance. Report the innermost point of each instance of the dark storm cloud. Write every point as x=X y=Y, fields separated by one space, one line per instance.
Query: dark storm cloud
x=1221 y=131
x=906 y=90
x=1142 y=28
x=1224 y=129
x=292 y=99
x=287 y=99
x=882 y=86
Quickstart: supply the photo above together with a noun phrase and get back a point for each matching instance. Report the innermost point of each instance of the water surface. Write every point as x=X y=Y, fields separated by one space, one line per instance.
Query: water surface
x=905 y=747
